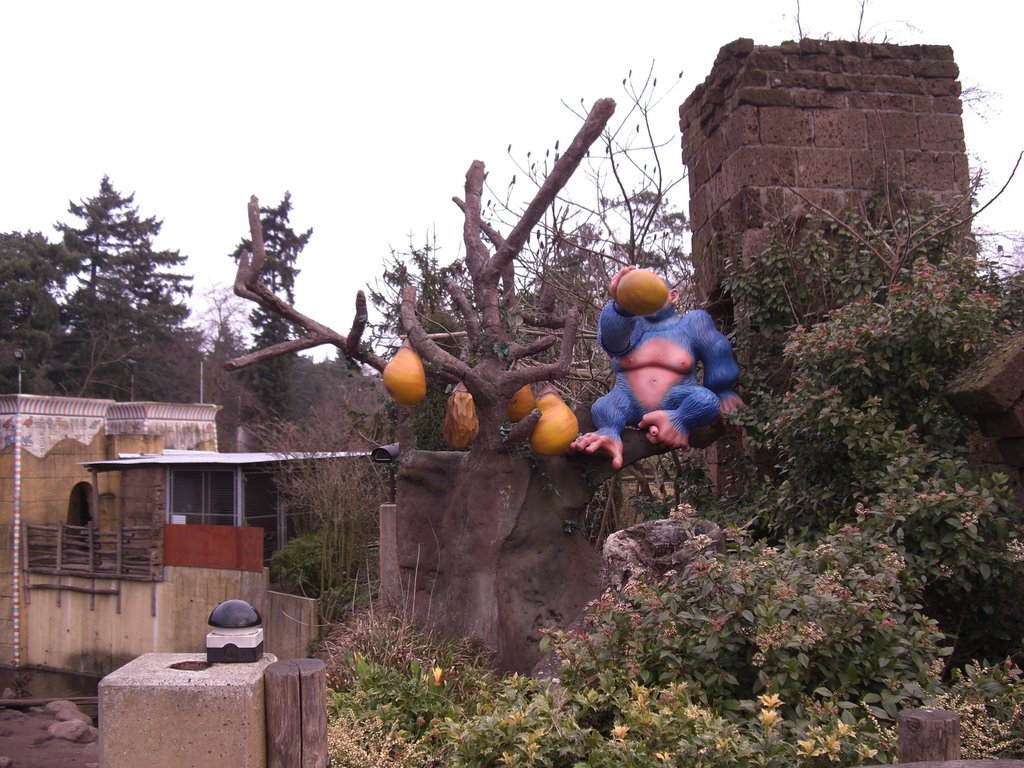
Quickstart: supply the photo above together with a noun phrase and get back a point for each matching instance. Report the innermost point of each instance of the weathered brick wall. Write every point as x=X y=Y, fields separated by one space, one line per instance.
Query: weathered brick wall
x=824 y=121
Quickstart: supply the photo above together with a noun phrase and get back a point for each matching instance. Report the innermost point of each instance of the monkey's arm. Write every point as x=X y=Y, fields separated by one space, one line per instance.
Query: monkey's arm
x=714 y=350
x=615 y=330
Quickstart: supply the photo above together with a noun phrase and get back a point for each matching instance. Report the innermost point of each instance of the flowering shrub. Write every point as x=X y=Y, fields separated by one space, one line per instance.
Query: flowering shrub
x=820 y=626
x=990 y=702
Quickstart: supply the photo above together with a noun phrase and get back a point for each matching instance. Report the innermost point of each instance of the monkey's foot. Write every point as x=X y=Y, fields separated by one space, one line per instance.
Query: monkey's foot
x=661 y=431
x=592 y=442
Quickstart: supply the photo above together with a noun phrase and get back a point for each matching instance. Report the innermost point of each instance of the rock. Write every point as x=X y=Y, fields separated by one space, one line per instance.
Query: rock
x=73 y=730
x=649 y=550
x=62 y=709
x=6 y=762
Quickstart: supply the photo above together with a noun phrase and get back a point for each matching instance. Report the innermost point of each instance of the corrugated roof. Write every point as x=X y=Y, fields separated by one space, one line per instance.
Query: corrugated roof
x=175 y=457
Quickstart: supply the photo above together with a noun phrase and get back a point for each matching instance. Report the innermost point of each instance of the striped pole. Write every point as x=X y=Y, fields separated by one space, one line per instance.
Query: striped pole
x=16 y=538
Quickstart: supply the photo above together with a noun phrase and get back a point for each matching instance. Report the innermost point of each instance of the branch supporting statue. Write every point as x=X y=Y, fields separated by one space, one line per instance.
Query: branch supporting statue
x=656 y=389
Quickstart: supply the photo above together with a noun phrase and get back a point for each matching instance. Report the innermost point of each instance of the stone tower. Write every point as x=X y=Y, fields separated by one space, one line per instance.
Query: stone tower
x=774 y=132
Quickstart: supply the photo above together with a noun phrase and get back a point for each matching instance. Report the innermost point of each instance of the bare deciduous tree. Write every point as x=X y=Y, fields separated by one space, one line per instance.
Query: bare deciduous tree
x=488 y=539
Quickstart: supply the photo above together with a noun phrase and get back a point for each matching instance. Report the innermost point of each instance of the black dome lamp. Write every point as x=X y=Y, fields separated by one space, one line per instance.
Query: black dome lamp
x=237 y=634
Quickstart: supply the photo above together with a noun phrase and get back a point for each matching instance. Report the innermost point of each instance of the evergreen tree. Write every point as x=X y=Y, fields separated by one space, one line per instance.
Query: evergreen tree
x=272 y=380
x=33 y=275
x=127 y=308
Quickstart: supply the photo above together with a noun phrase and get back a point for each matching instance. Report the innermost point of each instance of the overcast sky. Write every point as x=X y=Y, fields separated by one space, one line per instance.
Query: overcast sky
x=370 y=113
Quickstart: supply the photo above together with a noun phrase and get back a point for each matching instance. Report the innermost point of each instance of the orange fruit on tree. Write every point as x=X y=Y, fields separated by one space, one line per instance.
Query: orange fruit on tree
x=404 y=377
x=557 y=426
x=520 y=404
x=641 y=292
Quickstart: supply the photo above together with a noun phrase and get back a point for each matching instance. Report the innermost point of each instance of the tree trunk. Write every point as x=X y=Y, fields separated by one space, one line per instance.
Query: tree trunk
x=489 y=546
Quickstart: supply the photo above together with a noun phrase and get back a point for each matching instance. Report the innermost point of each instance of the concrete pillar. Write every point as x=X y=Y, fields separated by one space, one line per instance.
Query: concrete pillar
x=167 y=710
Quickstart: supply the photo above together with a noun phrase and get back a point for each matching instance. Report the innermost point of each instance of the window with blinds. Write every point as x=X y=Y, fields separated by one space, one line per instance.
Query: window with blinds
x=203 y=497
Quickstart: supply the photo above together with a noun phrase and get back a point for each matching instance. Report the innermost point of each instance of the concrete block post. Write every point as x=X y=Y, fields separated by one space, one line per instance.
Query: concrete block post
x=166 y=710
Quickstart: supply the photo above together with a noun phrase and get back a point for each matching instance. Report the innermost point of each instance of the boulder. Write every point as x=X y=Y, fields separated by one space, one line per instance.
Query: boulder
x=73 y=730
x=649 y=550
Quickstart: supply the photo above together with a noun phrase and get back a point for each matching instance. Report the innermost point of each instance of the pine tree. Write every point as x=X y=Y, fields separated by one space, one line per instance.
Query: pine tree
x=33 y=274
x=272 y=380
x=127 y=306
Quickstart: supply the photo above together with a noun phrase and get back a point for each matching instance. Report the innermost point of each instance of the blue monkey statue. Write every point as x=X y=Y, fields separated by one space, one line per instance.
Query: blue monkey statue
x=656 y=389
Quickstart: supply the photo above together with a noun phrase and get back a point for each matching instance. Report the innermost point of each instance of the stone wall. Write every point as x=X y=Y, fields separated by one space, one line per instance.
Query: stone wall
x=993 y=395
x=773 y=130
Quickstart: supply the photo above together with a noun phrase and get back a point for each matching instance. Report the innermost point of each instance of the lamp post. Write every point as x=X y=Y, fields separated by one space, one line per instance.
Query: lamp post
x=19 y=358
x=130 y=362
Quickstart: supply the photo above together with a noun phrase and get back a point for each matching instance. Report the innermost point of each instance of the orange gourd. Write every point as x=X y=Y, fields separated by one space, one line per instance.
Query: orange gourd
x=460 y=422
x=520 y=404
x=404 y=377
x=557 y=426
x=641 y=292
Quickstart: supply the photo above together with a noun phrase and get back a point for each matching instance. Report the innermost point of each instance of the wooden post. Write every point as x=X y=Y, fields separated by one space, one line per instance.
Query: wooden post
x=390 y=575
x=296 y=703
x=928 y=735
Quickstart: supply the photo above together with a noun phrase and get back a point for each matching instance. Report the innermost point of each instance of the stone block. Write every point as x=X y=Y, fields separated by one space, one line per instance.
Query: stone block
x=839 y=128
x=1012 y=449
x=930 y=170
x=167 y=710
x=892 y=130
x=941 y=132
x=1007 y=424
x=984 y=450
x=742 y=128
x=827 y=168
x=785 y=126
x=994 y=385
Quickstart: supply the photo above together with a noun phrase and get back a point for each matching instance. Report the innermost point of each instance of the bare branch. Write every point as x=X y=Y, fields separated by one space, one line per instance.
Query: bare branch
x=515 y=379
x=495 y=237
x=445 y=365
x=249 y=286
x=560 y=174
x=523 y=428
x=519 y=351
x=476 y=251
x=466 y=309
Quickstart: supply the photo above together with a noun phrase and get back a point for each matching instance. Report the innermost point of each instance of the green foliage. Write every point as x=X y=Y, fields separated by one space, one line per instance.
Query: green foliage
x=757 y=656
x=298 y=565
x=834 y=622
x=857 y=328
x=532 y=723
x=990 y=702
x=382 y=670
x=33 y=275
x=128 y=304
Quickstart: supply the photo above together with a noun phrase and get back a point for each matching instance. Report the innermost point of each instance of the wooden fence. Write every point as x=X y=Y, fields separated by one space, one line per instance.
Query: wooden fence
x=74 y=550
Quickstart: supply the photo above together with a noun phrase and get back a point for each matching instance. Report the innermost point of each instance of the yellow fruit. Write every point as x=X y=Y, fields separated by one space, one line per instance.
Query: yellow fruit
x=521 y=404
x=460 y=421
x=641 y=292
x=404 y=377
x=557 y=426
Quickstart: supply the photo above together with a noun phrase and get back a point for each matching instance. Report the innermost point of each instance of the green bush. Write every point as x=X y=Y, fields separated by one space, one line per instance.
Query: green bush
x=299 y=564
x=835 y=622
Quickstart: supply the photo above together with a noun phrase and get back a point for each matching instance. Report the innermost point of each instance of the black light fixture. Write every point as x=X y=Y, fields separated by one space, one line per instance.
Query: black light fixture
x=387 y=454
x=19 y=358
x=237 y=634
x=130 y=362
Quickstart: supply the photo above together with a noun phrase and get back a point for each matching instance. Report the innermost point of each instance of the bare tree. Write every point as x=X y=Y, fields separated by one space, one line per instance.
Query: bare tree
x=488 y=539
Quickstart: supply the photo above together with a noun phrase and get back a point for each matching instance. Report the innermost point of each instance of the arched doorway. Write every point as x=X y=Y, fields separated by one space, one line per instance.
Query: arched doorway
x=79 y=504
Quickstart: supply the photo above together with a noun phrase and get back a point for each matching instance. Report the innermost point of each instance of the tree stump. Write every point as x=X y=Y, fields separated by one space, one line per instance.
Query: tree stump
x=295 y=691
x=928 y=735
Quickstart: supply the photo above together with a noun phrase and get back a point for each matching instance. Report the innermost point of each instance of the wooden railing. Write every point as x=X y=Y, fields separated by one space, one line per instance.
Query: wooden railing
x=85 y=551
